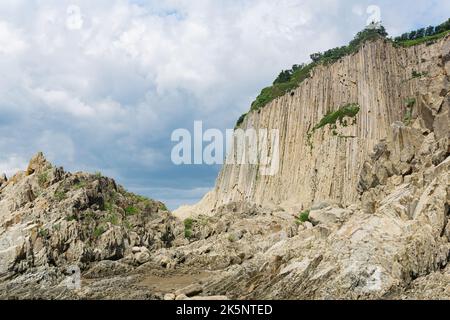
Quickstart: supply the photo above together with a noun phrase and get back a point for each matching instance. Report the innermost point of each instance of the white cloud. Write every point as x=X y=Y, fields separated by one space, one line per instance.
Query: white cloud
x=61 y=101
x=11 y=41
x=11 y=164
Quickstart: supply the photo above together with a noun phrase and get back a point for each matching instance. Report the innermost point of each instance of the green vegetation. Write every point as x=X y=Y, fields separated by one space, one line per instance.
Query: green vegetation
x=80 y=185
x=89 y=215
x=99 y=230
x=240 y=120
x=98 y=175
x=335 y=54
x=427 y=39
x=333 y=117
x=60 y=195
x=72 y=217
x=410 y=103
x=303 y=217
x=108 y=206
x=416 y=74
x=298 y=75
x=43 y=179
x=232 y=238
x=43 y=233
x=424 y=35
x=112 y=218
x=188 y=224
x=163 y=207
x=291 y=79
x=288 y=80
x=131 y=211
x=128 y=225
x=141 y=200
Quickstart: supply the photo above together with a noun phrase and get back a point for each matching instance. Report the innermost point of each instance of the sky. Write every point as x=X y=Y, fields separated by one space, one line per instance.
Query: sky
x=99 y=86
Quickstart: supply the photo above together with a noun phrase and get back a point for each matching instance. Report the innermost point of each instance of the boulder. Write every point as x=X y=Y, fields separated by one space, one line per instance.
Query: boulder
x=190 y=291
x=328 y=215
x=169 y=297
x=143 y=256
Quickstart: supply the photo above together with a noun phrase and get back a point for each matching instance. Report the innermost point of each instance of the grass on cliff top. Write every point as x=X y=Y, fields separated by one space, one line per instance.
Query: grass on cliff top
x=291 y=79
x=288 y=80
x=279 y=89
x=415 y=42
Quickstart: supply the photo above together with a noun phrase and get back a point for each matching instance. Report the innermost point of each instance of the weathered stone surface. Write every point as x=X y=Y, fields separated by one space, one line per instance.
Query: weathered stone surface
x=328 y=215
x=190 y=291
x=210 y=298
x=48 y=216
x=169 y=297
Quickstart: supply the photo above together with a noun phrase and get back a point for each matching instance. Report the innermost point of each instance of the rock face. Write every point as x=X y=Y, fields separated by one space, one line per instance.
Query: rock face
x=378 y=203
x=49 y=217
x=393 y=240
x=380 y=78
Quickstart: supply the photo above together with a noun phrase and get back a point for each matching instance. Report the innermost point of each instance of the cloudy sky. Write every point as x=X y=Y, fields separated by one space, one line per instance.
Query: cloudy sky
x=99 y=85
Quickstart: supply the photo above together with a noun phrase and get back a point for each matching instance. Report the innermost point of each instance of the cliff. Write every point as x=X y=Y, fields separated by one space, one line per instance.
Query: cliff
x=389 y=83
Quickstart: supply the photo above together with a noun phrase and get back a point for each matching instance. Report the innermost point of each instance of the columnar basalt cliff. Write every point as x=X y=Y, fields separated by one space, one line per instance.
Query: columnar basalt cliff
x=388 y=82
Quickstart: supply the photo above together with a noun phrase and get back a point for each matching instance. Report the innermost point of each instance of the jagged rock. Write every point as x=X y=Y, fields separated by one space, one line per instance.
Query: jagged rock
x=3 y=179
x=50 y=216
x=328 y=216
x=37 y=164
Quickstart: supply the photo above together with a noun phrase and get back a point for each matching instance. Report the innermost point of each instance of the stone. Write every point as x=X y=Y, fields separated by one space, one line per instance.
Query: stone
x=308 y=225
x=328 y=215
x=37 y=164
x=190 y=291
x=209 y=298
x=142 y=257
x=169 y=297
x=136 y=250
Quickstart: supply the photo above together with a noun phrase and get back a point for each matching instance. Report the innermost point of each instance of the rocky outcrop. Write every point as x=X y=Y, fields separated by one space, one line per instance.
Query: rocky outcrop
x=51 y=218
x=382 y=79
